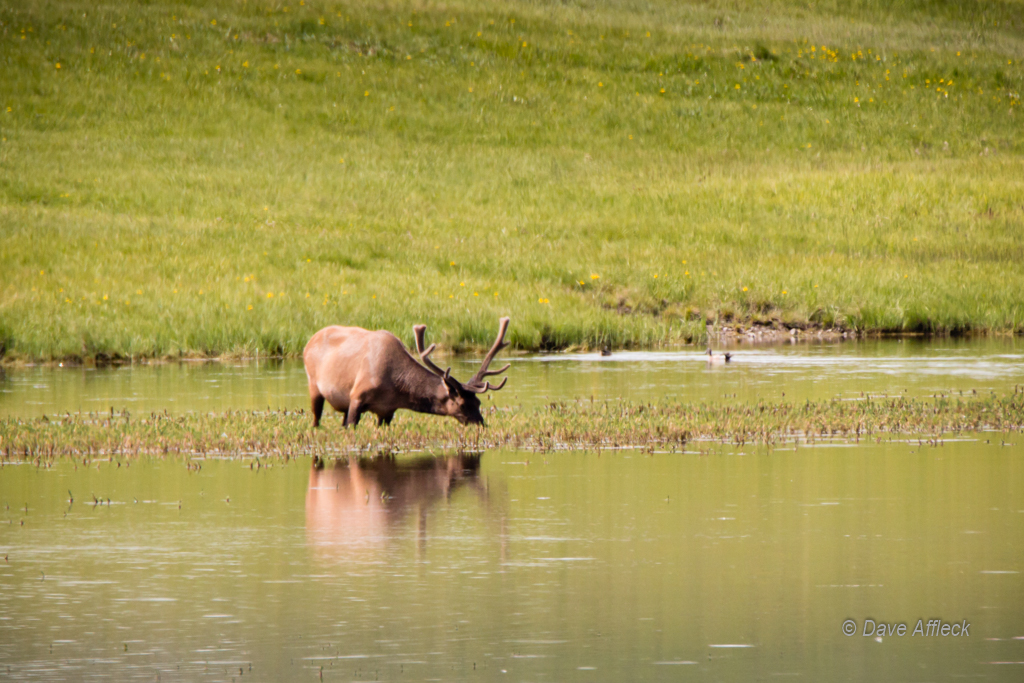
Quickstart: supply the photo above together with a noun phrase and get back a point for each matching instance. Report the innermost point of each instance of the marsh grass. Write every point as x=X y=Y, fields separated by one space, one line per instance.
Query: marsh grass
x=577 y=425
x=226 y=178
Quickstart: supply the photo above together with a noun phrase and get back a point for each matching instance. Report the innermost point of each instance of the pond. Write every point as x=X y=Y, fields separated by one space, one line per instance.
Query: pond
x=721 y=563
x=725 y=564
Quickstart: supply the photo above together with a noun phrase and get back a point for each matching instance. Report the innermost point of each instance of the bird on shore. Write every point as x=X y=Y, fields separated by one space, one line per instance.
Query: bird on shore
x=718 y=358
x=605 y=351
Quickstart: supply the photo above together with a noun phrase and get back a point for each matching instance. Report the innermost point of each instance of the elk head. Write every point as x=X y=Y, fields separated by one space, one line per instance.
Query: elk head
x=463 y=402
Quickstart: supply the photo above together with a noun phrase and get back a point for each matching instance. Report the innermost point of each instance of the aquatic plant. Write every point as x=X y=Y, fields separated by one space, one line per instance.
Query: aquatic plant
x=579 y=425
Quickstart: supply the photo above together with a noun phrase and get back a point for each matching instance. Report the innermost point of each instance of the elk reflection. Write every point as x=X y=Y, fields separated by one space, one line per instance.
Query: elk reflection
x=359 y=503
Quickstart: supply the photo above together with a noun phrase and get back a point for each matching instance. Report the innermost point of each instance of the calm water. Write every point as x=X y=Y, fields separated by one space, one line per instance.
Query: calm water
x=733 y=565
x=797 y=372
x=722 y=564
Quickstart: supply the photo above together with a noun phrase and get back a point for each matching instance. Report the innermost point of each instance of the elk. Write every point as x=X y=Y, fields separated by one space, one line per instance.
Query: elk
x=356 y=371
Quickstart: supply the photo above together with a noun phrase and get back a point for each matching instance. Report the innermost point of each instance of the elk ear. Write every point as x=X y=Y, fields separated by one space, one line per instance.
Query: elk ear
x=452 y=385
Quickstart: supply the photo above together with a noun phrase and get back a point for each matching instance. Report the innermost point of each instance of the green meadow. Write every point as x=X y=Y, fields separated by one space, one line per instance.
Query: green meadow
x=225 y=178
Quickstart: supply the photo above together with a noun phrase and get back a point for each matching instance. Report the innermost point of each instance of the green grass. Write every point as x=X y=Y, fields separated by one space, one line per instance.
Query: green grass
x=177 y=187
x=579 y=425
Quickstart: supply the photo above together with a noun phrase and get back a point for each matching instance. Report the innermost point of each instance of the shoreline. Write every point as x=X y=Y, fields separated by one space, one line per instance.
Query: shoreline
x=729 y=336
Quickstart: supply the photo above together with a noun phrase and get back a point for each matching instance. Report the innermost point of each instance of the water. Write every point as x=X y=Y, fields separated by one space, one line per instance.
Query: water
x=719 y=564
x=727 y=565
x=794 y=372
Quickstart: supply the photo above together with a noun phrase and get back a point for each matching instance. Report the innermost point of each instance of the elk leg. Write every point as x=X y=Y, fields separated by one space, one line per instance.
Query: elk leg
x=355 y=410
x=384 y=420
x=318 y=409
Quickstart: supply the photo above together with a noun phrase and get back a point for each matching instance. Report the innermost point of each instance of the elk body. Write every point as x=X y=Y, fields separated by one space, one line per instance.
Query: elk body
x=357 y=371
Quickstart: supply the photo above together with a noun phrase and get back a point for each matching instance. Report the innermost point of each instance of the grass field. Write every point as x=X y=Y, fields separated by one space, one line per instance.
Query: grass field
x=226 y=178
x=665 y=426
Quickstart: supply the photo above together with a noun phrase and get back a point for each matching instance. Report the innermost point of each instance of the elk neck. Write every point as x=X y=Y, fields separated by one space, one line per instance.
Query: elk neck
x=423 y=391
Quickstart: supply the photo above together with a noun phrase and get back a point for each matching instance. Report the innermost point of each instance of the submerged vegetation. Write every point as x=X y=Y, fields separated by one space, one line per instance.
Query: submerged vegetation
x=580 y=425
x=226 y=178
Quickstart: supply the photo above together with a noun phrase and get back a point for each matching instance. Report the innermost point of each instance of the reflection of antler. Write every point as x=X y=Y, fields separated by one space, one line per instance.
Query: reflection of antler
x=477 y=384
x=419 y=331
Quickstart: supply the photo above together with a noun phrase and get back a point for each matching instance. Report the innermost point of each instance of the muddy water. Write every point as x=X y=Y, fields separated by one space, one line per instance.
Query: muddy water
x=720 y=564
x=798 y=372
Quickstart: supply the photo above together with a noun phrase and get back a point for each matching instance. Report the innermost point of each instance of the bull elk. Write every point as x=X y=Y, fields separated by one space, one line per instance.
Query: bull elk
x=356 y=371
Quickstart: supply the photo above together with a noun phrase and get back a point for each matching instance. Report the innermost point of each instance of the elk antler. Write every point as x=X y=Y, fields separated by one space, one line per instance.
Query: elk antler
x=477 y=384
x=419 y=331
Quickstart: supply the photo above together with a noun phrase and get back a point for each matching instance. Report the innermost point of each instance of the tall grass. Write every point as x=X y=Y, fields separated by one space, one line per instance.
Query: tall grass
x=228 y=178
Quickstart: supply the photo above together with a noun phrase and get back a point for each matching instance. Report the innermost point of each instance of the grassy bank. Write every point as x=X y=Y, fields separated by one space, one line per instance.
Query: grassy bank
x=181 y=179
x=586 y=425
